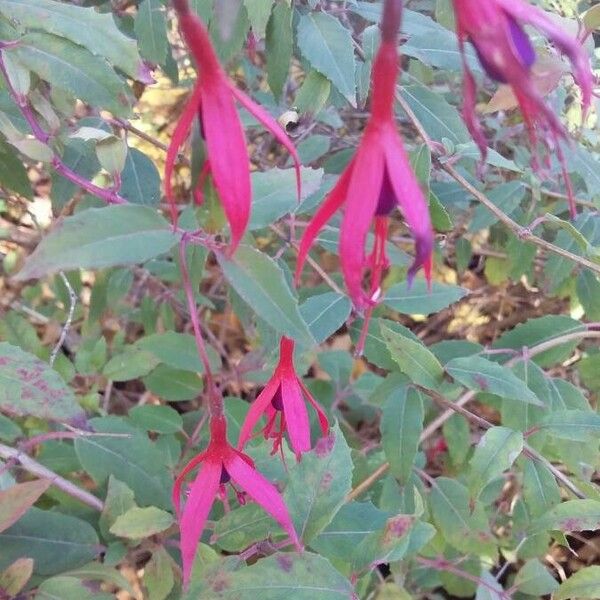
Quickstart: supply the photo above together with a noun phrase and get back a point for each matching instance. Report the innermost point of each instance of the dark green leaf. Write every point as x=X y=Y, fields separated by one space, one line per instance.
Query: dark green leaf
x=151 y=30
x=325 y=314
x=162 y=419
x=140 y=180
x=279 y=45
x=13 y=175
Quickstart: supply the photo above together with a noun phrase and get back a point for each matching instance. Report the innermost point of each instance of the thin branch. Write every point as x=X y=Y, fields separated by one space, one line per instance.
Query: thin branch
x=35 y=468
x=67 y=326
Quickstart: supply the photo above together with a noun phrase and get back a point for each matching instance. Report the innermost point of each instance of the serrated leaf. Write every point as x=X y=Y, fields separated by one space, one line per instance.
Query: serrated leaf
x=325 y=314
x=327 y=45
x=85 y=26
x=139 y=523
x=413 y=358
x=585 y=583
x=30 y=387
x=17 y=499
x=73 y=69
x=419 y=300
x=150 y=26
x=56 y=542
x=573 y=515
x=261 y=283
x=318 y=485
x=103 y=237
x=401 y=427
x=259 y=12
x=482 y=375
x=496 y=452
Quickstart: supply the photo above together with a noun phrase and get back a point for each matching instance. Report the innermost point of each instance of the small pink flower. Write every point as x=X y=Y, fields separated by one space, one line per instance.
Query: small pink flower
x=282 y=400
x=378 y=178
x=495 y=28
x=220 y=464
x=213 y=102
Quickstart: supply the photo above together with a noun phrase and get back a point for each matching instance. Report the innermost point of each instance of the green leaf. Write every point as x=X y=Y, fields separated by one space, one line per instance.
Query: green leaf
x=536 y=331
x=413 y=358
x=30 y=387
x=12 y=172
x=259 y=12
x=94 y=30
x=274 y=193
x=130 y=364
x=401 y=427
x=100 y=237
x=65 y=587
x=279 y=46
x=418 y=300
x=575 y=425
x=112 y=154
x=131 y=457
x=573 y=515
x=318 y=485
x=162 y=419
x=55 y=541
x=457 y=435
x=327 y=46
x=585 y=583
x=482 y=375
x=174 y=385
x=496 y=452
x=158 y=574
x=150 y=26
x=313 y=93
x=540 y=490
x=119 y=499
x=325 y=314
x=139 y=523
x=534 y=579
x=18 y=499
x=140 y=180
x=96 y=571
x=304 y=576
x=73 y=69
x=461 y=521
x=261 y=283
x=506 y=196
x=588 y=292
x=14 y=578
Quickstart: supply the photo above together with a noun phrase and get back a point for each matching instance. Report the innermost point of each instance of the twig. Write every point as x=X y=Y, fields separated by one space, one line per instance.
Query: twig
x=35 y=468
x=457 y=406
x=67 y=326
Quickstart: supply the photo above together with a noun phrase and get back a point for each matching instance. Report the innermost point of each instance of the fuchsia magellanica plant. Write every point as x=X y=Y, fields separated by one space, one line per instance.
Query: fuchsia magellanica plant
x=283 y=402
x=505 y=51
x=378 y=179
x=213 y=103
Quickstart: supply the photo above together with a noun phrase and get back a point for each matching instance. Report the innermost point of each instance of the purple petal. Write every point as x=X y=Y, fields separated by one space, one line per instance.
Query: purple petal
x=387 y=198
x=522 y=43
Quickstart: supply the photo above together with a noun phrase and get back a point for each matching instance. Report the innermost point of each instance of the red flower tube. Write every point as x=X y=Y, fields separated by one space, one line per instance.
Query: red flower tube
x=378 y=178
x=495 y=28
x=219 y=464
x=283 y=399
x=213 y=102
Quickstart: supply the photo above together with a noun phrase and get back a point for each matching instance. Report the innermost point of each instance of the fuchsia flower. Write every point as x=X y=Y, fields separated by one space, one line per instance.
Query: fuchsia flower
x=378 y=178
x=213 y=102
x=222 y=463
x=495 y=28
x=282 y=398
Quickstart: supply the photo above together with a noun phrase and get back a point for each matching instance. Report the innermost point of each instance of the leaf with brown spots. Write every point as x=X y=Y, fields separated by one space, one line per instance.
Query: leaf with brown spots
x=17 y=499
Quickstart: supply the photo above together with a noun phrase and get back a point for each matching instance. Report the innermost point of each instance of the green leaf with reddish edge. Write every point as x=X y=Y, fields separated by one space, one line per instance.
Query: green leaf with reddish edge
x=103 y=237
x=461 y=522
x=55 y=541
x=496 y=452
x=482 y=375
x=87 y=27
x=17 y=499
x=585 y=583
x=401 y=427
x=327 y=45
x=573 y=515
x=14 y=577
x=418 y=300
x=574 y=425
x=318 y=485
x=261 y=283
x=30 y=387
x=75 y=70
x=297 y=576
x=413 y=359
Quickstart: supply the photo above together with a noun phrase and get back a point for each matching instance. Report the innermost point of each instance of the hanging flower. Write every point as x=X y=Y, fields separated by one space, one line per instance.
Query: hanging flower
x=213 y=102
x=222 y=464
x=495 y=28
x=378 y=178
x=283 y=403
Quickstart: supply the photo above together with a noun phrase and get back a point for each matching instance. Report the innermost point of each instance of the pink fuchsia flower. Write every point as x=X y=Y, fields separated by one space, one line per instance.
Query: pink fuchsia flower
x=220 y=464
x=283 y=403
x=378 y=178
x=213 y=102
x=495 y=28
